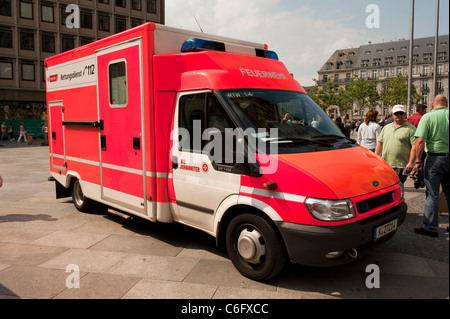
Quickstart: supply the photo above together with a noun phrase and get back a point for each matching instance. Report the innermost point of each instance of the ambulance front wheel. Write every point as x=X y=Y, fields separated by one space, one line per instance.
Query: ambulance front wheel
x=82 y=203
x=255 y=248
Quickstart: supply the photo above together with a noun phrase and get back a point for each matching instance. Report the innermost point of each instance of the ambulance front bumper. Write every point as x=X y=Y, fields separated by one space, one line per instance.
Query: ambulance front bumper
x=328 y=246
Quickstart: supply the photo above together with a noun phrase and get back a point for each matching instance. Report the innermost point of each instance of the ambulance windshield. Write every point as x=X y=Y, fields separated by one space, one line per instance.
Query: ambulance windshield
x=292 y=117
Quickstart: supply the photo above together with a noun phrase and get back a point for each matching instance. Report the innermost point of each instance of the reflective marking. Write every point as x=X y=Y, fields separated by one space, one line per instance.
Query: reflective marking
x=272 y=194
x=114 y=167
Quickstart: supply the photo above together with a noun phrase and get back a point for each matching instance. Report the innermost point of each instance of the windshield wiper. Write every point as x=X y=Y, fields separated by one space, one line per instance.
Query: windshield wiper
x=334 y=136
x=301 y=140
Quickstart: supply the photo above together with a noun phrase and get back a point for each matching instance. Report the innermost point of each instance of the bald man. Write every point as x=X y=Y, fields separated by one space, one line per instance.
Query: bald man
x=433 y=137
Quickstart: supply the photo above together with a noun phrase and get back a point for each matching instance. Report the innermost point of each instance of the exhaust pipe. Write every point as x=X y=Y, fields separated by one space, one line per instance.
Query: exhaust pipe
x=353 y=253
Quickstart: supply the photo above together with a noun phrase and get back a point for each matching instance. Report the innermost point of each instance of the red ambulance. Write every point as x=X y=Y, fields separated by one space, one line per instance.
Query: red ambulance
x=214 y=133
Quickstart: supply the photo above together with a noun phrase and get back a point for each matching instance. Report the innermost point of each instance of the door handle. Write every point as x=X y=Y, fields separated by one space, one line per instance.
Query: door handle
x=136 y=143
x=103 y=142
x=174 y=162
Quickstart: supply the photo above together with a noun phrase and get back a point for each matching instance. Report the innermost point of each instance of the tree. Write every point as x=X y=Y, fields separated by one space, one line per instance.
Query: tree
x=364 y=93
x=326 y=96
x=395 y=91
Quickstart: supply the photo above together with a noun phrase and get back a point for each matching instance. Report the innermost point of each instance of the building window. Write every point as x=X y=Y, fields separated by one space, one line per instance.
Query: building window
x=48 y=42
x=363 y=74
x=136 y=22
x=67 y=43
x=118 y=91
x=386 y=73
x=5 y=8
x=84 y=40
x=27 y=71
x=47 y=14
x=348 y=64
x=374 y=74
x=399 y=71
x=336 y=78
x=64 y=14
x=329 y=65
x=440 y=69
x=121 y=24
x=151 y=6
x=348 y=77
x=103 y=22
x=6 y=38
x=26 y=10
x=121 y=3
x=27 y=40
x=6 y=70
x=425 y=70
x=104 y=1
x=86 y=19
x=136 y=5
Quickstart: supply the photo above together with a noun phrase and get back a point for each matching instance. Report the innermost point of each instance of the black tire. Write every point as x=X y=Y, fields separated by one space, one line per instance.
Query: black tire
x=255 y=248
x=82 y=203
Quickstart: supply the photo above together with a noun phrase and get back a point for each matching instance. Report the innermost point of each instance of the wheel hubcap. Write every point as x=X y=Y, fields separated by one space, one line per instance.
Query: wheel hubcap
x=250 y=246
x=78 y=194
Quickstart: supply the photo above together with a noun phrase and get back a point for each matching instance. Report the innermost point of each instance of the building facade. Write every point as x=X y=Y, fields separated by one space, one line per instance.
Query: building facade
x=387 y=60
x=32 y=30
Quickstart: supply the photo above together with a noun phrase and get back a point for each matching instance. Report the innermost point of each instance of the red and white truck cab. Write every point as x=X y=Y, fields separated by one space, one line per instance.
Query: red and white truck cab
x=211 y=132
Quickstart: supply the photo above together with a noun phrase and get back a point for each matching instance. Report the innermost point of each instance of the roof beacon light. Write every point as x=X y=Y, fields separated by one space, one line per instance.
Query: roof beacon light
x=196 y=44
x=267 y=54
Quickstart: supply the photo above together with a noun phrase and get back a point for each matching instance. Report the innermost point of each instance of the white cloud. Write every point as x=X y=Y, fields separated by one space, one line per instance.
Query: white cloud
x=302 y=40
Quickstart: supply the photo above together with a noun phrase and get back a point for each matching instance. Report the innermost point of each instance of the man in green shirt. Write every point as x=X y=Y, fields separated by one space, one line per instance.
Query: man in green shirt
x=397 y=144
x=433 y=138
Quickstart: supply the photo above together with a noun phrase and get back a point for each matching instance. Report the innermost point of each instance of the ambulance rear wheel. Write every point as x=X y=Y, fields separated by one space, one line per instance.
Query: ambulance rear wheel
x=82 y=203
x=255 y=248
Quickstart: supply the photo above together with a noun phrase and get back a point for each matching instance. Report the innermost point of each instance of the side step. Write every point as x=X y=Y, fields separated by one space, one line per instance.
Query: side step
x=120 y=214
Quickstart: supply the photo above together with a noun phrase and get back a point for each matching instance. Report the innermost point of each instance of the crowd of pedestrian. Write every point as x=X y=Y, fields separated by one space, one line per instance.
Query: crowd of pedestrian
x=415 y=146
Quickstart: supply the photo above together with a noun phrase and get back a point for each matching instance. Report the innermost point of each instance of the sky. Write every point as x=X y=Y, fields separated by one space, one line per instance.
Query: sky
x=305 y=33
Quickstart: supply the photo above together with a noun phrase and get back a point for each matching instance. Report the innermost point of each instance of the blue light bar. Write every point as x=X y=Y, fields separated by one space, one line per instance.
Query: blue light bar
x=195 y=44
x=267 y=54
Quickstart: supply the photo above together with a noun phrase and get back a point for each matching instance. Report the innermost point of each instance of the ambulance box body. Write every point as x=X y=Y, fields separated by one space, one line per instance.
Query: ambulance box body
x=214 y=133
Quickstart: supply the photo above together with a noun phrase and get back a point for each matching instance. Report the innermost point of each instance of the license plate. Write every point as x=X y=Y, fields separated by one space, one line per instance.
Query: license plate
x=385 y=229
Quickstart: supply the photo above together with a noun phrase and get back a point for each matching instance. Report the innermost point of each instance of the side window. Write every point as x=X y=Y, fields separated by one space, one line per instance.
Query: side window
x=118 y=88
x=191 y=121
x=197 y=113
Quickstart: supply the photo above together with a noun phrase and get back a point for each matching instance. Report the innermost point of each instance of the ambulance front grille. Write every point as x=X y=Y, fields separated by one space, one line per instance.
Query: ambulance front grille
x=374 y=202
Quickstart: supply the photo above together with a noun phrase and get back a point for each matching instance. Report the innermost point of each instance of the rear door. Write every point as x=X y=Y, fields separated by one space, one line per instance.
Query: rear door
x=56 y=142
x=122 y=154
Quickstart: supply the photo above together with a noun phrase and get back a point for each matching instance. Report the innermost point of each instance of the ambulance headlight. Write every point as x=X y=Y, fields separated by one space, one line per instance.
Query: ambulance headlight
x=330 y=210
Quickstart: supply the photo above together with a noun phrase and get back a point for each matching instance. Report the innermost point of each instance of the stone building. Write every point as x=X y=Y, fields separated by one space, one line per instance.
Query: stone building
x=31 y=31
x=386 y=60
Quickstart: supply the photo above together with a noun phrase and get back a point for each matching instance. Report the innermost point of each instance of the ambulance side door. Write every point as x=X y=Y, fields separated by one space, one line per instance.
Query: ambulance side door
x=200 y=187
x=122 y=153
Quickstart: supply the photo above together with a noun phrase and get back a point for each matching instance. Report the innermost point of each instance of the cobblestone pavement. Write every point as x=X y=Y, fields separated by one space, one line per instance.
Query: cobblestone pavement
x=40 y=237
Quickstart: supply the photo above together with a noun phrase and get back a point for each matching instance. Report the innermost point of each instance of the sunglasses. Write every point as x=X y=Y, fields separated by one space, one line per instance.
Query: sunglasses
x=399 y=113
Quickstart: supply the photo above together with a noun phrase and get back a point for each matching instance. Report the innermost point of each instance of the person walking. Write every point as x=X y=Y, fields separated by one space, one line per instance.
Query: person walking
x=11 y=133
x=421 y=110
x=433 y=137
x=4 y=132
x=22 y=133
x=369 y=131
x=397 y=144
